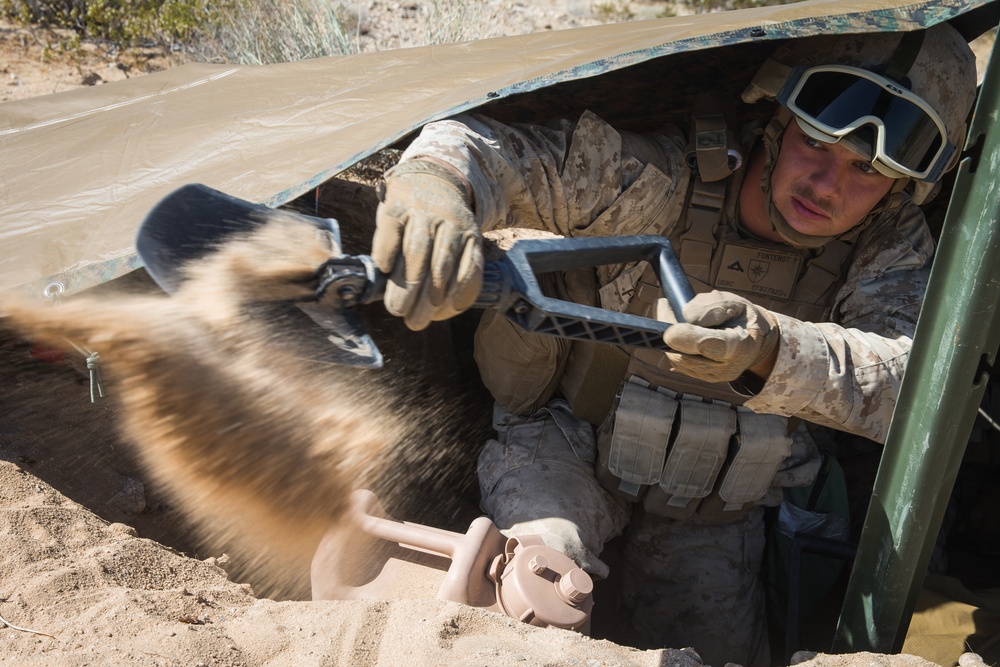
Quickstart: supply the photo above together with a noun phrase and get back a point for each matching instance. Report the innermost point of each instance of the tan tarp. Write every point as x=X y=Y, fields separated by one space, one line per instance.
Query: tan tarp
x=80 y=169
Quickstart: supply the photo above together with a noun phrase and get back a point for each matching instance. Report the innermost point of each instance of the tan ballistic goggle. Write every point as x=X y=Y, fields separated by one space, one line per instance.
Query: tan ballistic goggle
x=835 y=101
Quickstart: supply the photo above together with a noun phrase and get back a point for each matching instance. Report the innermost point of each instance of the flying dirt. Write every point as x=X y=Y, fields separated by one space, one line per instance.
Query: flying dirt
x=253 y=441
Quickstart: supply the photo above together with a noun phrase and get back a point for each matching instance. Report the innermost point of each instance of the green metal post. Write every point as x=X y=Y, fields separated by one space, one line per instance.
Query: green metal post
x=954 y=345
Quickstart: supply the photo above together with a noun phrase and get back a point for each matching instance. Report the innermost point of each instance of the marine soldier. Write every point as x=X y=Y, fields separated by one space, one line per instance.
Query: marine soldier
x=804 y=241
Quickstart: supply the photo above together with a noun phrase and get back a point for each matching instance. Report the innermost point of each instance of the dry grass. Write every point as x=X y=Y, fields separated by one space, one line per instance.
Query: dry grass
x=272 y=31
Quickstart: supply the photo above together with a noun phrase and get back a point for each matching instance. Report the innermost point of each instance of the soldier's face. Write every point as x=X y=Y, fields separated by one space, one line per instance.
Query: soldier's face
x=823 y=189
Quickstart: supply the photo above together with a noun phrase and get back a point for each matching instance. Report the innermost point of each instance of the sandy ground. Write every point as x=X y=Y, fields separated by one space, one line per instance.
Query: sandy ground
x=99 y=564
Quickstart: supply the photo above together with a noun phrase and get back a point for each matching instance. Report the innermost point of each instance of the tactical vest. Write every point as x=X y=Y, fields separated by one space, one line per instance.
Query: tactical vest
x=677 y=444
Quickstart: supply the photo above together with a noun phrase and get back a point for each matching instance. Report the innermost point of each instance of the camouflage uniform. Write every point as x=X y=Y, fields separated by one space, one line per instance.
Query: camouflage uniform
x=691 y=580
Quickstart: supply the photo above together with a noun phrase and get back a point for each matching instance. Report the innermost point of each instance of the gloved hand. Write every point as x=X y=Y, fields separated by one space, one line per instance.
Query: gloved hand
x=724 y=336
x=427 y=240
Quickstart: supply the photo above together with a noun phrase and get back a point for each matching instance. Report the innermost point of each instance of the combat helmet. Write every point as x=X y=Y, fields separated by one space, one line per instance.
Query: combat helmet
x=900 y=99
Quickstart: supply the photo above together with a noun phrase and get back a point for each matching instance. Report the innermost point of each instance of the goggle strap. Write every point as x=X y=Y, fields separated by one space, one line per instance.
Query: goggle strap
x=904 y=56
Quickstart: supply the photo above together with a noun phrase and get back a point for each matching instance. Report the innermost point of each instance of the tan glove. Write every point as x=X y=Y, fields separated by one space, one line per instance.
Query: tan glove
x=427 y=240
x=724 y=336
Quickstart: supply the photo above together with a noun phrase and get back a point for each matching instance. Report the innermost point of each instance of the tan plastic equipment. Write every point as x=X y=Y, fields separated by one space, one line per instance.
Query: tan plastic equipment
x=376 y=557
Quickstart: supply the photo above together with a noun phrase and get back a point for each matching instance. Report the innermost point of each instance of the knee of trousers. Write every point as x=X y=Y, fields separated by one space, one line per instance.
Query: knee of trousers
x=686 y=550
x=537 y=482
x=698 y=583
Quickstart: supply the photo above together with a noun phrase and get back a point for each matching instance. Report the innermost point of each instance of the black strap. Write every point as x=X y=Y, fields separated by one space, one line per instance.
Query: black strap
x=820 y=482
x=904 y=56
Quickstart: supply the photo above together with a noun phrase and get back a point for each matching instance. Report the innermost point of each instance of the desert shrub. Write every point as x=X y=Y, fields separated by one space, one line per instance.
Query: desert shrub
x=244 y=31
x=612 y=11
x=124 y=22
x=62 y=13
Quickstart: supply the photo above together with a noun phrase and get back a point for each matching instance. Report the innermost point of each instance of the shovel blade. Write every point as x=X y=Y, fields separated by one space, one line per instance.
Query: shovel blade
x=195 y=220
x=192 y=222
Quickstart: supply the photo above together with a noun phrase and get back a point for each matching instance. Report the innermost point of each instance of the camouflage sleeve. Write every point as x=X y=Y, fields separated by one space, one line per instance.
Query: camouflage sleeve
x=846 y=374
x=557 y=177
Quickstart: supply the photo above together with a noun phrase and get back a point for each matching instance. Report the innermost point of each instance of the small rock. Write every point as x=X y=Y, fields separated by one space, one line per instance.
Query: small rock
x=123 y=529
x=130 y=499
x=91 y=79
x=802 y=656
x=220 y=561
x=970 y=660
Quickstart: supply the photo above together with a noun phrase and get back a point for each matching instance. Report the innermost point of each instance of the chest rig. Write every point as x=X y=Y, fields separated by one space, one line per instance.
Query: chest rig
x=682 y=446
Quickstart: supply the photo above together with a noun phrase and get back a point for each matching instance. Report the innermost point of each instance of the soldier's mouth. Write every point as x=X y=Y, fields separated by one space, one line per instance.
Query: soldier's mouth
x=808 y=210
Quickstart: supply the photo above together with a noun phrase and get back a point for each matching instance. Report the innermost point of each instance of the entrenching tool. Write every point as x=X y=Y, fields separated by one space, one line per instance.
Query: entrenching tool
x=521 y=576
x=191 y=222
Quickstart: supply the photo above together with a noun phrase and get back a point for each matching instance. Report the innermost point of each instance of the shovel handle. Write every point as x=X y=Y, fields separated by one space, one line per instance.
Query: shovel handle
x=510 y=285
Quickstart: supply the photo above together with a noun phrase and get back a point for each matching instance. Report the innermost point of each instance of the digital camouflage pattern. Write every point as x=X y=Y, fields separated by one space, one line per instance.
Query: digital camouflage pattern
x=537 y=477
x=695 y=583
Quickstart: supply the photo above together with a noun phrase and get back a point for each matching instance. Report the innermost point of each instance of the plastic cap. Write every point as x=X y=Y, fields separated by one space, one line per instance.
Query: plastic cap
x=538 y=564
x=575 y=586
